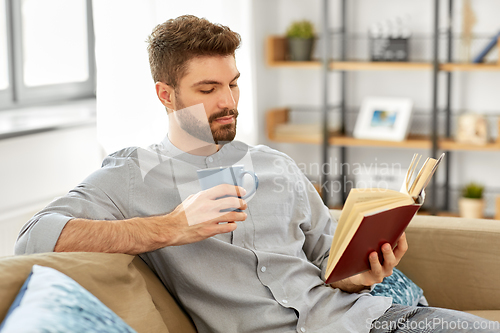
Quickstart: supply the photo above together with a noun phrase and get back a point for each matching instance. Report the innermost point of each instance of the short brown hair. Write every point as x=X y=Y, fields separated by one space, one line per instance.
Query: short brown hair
x=173 y=43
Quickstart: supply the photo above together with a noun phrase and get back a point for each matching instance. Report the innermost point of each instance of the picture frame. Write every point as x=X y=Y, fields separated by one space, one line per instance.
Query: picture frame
x=383 y=118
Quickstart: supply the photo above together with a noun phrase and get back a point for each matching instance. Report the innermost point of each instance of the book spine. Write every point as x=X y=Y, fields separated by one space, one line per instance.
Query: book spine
x=480 y=57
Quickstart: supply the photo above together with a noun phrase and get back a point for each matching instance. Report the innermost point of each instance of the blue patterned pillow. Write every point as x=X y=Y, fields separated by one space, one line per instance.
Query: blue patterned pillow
x=402 y=290
x=50 y=301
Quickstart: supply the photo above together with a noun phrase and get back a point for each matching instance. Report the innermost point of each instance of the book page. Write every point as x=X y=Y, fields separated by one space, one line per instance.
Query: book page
x=424 y=176
x=405 y=187
x=357 y=195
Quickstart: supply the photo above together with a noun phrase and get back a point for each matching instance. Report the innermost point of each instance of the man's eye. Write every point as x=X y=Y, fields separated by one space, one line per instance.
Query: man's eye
x=207 y=91
x=233 y=85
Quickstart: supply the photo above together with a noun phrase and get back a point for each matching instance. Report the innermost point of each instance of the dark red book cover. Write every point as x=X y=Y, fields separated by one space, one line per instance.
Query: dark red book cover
x=373 y=232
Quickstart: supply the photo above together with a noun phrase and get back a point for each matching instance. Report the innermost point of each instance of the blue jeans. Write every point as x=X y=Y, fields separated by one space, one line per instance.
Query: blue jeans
x=410 y=319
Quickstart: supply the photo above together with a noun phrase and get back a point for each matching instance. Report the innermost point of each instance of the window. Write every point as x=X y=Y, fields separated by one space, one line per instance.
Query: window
x=46 y=51
x=5 y=86
x=4 y=68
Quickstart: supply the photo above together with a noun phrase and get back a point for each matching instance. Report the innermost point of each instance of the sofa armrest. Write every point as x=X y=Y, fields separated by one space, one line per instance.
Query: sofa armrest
x=454 y=260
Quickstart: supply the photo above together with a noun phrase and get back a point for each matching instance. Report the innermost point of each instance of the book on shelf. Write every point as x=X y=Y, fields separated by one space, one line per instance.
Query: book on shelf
x=484 y=52
x=373 y=217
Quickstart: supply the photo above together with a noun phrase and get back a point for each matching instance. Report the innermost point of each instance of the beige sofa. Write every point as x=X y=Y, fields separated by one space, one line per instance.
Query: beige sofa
x=455 y=261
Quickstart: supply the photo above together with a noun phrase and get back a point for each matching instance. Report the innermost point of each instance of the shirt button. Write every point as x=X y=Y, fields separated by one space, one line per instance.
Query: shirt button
x=210 y=159
x=263 y=269
x=284 y=301
x=302 y=329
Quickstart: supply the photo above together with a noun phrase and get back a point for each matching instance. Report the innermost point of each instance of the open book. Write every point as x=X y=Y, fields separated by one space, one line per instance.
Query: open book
x=373 y=217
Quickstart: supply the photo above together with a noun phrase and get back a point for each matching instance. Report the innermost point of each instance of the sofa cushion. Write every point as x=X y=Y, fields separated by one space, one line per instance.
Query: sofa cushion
x=493 y=315
x=112 y=278
x=400 y=288
x=51 y=301
x=173 y=315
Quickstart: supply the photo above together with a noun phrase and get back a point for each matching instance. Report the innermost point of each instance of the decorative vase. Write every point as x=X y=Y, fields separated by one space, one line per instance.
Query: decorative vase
x=300 y=49
x=471 y=208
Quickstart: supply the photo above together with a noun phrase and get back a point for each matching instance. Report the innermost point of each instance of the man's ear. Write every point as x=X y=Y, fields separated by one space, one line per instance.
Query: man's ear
x=166 y=95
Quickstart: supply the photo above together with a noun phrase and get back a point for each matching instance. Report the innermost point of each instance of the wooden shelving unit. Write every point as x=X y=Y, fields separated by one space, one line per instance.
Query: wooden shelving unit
x=279 y=128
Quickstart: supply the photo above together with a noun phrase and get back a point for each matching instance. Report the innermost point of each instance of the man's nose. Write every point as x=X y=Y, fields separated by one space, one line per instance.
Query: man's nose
x=227 y=99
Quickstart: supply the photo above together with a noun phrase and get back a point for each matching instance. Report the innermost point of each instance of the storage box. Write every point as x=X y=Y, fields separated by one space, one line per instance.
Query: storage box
x=389 y=49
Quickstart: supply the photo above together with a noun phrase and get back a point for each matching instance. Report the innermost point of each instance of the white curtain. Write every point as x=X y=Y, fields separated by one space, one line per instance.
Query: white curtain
x=128 y=111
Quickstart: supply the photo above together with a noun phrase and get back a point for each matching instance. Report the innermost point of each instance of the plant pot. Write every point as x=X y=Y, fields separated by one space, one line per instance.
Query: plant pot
x=300 y=49
x=471 y=208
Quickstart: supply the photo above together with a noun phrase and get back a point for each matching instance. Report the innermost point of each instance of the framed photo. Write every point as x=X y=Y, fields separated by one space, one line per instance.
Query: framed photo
x=383 y=119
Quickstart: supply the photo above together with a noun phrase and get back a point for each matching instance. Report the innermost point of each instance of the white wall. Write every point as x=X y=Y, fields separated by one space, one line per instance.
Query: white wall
x=472 y=91
x=37 y=168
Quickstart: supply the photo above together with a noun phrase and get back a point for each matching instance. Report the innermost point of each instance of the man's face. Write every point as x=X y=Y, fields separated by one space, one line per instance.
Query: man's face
x=212 y=82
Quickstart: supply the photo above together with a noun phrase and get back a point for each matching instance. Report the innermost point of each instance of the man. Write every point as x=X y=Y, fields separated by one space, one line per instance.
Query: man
x=259 y=272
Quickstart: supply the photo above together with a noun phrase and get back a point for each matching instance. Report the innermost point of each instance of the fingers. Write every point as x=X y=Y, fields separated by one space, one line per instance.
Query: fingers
x=203 y=231
x=390 y=260
x=223 y=190
x=376 y=269
x=213 y=229
x=229 y=203
x=401 y=248
x=229 y=217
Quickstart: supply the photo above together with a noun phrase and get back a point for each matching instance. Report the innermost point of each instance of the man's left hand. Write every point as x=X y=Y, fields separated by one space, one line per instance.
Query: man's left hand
x=378 y=271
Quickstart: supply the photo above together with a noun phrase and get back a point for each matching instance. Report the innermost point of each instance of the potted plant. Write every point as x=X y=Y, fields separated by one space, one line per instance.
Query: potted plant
x=471 y=204
x=300 y=35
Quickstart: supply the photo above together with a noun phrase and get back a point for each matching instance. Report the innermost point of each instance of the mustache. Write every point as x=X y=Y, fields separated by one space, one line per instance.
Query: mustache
x=223 y=113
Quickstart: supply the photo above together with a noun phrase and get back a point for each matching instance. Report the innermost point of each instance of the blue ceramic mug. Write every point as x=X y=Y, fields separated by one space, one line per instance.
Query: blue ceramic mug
x=232 y=175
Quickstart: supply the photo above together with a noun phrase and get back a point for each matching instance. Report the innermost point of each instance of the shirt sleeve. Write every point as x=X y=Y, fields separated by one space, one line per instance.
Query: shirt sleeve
x=320 y=226
x=104 y=195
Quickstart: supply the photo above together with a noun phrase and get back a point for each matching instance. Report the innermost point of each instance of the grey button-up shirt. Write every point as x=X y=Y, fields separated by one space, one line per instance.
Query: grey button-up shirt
x=266 y=276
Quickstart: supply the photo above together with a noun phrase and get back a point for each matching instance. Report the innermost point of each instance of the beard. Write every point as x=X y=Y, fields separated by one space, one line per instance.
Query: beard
x=214 y=132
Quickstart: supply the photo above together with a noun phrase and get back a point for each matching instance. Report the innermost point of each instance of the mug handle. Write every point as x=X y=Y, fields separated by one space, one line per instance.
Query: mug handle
x=256 y=179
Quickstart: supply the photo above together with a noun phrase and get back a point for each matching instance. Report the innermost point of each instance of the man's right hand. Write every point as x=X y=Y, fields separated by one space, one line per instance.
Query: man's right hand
x=199 y=216
x=196 y=218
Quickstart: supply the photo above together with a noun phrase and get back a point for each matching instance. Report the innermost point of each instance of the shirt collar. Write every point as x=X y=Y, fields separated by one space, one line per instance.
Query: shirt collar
x=228 y=152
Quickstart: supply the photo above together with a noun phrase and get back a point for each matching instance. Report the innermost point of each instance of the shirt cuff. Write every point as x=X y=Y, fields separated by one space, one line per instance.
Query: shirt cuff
x=45 y=233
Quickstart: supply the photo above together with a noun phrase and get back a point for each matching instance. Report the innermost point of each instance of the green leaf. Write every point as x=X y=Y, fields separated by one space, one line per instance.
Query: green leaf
x=300 y=29
x=473 y=191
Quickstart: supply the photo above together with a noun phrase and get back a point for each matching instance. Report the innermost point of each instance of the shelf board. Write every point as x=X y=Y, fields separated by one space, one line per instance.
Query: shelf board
x=449 y=67
x=295 y=64
x=412 y=142
x=298 y=138
x=276 y=56
x=417 y=142
x=388 y=66
x=449 y=144
x=376 y=65
x=353 y=65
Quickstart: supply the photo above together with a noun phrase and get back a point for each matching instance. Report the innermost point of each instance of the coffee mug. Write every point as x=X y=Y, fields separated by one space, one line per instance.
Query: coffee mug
x=232 y=175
